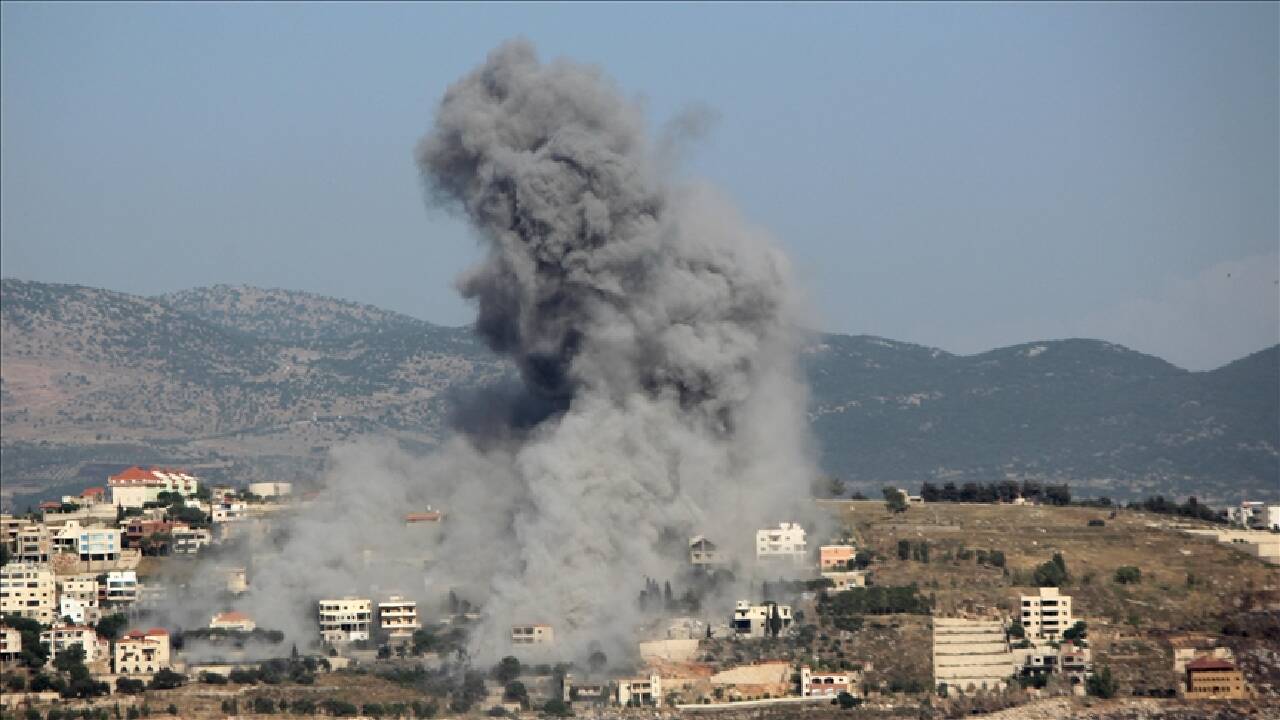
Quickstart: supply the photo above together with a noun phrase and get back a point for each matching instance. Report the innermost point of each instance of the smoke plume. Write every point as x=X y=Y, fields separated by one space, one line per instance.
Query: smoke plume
x=655 y=335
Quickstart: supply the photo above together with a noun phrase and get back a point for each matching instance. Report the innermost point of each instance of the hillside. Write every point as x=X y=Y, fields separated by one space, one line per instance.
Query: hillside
x=248 y=383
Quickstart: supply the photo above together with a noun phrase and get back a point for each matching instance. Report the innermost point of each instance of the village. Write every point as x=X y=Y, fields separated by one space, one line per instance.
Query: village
x=82 y=581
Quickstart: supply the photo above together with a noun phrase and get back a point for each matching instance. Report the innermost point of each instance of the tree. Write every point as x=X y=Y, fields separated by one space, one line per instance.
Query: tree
x=904 y=550
x=507 y=669
x=515 y=691
x=1128 y=574
x=895 y=500
x=1079 y=631
x=557 y=707
x=111 y=626
x=668 y=599
x=836 y=487
x=1101 y=684
x=775 y=620
x=129 y=686
x=167 y=679
x=847 y=701
x=930 y=492
x=1052 y=573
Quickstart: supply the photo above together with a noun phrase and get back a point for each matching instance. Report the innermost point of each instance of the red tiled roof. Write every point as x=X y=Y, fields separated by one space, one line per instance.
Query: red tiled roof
x=432 y=516
x=93 y=491
x=232 y=616
x=50 y=505
x=1209 y=663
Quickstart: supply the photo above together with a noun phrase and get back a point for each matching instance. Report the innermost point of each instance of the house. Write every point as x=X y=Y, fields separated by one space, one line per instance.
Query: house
x=835 y=557
x=1209 y=678
x=61 y=636
x=842 y=581
x=232 y=620
x=80 y=612
x=229 y=511
x=28 y=590
x=10 y=643
x=1075 y=661
x=91 y=544
x=753 y=620
x=703 y=552
x=645 y=690
x=346 y=619
x=121 y=589
x=141 y=653
x=186 y=540
x=1256 y=515
x=398 y=618
x=819 y=684
x=785 y=542
x=586 y=692
x=532 y=635
x=136 y=487
x=271 y=489
x=1046 y=615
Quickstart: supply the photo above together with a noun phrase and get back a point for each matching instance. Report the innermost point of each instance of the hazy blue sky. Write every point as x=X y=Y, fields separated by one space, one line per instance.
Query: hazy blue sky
x=959 y=176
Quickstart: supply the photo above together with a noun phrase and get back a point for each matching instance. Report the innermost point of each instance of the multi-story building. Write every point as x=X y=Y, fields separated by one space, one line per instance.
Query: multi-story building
x=1255 y=514
x=753 y=620
x=1213 y=679
x=232 y=620
x=28 y=590
x=645 y=690
x=229 y=511
x=1046 y=615
x=820 y=684
x=91 y=544
x=835 y=557
x=10 y=643
x=785 y=542
x=532 y=635
x=188 y=540
x=79 y=612
x=136 y=487
x=141 y=653
x=1075 y=661
x=34 y=544
x=703 y=552
x=398 y=618
x=345 y=620
x=120 y=590
x=271 y=489
x=9 y=528
x=61 y=636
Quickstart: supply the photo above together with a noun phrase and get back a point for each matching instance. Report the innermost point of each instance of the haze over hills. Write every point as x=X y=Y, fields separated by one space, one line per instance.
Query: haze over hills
x=246 y=383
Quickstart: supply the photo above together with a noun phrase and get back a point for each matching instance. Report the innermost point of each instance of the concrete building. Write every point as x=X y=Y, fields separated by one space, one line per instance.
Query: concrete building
x=229 y=511
x=703 y=552
x=61 y=636
x=141 y=653
x=136 y=487
x=785 y=542
x=9 y=528
x=91 y=544
x=820 y=684
x=33 y=545
x=1046 y=615
x=971 y=655
x=344 y=620
x=842 y=581
x=232 y=620
x=1212 y=679
x=753 y=620
x=188 y=540
x=79 y=612
x=532 y=635
x=28 y=590
x=10 y=644
x=638 y=691
x=398 y=618
x=236 y=580
x=835 y=557
x=271 y=489
x=121 y=589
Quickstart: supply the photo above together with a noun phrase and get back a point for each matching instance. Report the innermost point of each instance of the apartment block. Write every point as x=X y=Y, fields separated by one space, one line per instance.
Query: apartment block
x=34 y=544
x=61 y=636
x=753 y=620
x=785 y=542
x=532 y=635
x=28 y=590
x=188 y=540
x=346 y=619
x=136 y=487
x=141 y=653
x=645 y=690
x=120 y=590
x=1046 y=615
x=398 y=618
x=10 y=643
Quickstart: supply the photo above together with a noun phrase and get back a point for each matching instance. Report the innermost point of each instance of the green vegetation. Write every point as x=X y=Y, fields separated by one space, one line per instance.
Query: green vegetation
x=1101 y=684
x=1128 y=575
x=874 y=601
x=1053 y=573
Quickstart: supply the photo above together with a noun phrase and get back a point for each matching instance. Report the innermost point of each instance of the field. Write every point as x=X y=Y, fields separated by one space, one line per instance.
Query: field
x=1188 y=584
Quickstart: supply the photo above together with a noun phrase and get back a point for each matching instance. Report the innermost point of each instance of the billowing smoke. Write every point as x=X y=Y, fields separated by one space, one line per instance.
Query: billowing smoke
x=655 y=335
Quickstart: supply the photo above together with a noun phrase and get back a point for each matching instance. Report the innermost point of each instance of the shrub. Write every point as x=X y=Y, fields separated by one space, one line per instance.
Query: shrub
x=129 y=686
x=212 y=678
x=1128 y=574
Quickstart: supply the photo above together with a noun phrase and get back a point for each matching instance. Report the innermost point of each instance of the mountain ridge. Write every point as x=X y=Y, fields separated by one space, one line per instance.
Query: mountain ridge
x=250 y=382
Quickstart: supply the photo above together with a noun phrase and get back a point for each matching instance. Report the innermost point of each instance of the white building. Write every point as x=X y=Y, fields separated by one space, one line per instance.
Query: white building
x=28 y=590
x=122 y=588
x=1046 y=615
x=90 y=543
x=1256 y=515
x=347 y=619
x=271 y=489
x=232 y=620
x=142 y=653
x=228 y=511
x=80 y=612
x=753 y=620
x=785 y=542
x=398 y=618
x=136 y=487
x=819 y=684
x=640 y=691
x=842 y=581
x=60 y=636
x=532 y=635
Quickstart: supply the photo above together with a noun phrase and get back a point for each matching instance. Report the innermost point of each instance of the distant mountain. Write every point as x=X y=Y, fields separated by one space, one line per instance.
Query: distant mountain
x=245 y=383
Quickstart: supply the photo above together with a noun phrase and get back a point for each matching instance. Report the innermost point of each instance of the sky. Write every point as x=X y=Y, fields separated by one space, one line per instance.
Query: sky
x=959 y=176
